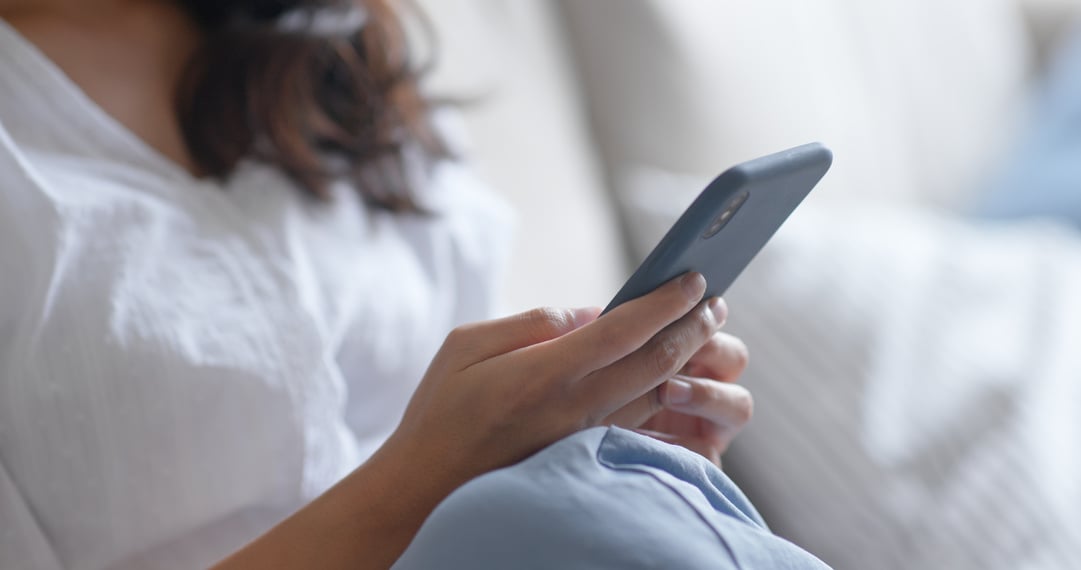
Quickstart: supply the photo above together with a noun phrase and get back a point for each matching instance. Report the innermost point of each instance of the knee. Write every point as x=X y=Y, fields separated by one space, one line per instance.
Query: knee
x=494 y=521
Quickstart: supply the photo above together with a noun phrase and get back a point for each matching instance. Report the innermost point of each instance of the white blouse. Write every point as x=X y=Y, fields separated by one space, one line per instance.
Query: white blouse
x=184 y=363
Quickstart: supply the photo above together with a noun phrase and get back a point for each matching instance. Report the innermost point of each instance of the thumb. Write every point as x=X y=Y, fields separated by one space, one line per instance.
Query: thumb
x=480 y=341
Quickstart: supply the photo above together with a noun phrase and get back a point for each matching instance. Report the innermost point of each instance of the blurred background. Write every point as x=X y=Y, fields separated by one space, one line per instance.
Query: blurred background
x=916 y=357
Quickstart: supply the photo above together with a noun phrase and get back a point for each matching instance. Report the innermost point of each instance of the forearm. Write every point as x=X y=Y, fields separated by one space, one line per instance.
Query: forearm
x=495 y=393
x=365 y=521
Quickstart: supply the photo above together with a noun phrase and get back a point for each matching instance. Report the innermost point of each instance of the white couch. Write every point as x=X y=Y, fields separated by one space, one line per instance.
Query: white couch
x=599 y=119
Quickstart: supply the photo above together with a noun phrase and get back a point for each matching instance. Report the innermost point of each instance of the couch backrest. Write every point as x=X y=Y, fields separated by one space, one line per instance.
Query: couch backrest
x=532 y=143
x=915 y=96
x=582 y=96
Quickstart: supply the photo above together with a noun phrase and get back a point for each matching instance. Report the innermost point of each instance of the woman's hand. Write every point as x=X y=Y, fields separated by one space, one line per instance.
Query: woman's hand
x=495 y=393
x=704 y=417
x=700 y=409
x=501 y=390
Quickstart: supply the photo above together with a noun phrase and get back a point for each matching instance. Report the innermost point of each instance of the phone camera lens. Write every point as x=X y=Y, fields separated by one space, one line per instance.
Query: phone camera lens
x=726 y=216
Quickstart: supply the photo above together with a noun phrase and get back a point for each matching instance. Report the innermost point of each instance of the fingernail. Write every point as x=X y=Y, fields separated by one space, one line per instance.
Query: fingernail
x=694 y=285
x=719 y=308
x=678 y=392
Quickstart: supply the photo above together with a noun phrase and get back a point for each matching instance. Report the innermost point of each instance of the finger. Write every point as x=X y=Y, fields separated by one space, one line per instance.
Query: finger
x=723 y=358
x=628 y=379
x=638 y=411
x=727 y=406
x=477 y=342
x=626 y=328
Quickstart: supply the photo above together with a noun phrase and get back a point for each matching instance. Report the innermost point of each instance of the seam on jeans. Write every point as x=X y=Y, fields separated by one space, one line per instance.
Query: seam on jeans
x=676 y=492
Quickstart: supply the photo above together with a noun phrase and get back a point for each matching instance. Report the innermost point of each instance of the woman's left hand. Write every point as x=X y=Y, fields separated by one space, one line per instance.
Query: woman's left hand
x=702 y=408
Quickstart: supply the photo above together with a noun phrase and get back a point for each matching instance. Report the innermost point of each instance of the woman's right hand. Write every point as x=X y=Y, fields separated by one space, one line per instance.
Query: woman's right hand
x=498 y=391
x=495 y=393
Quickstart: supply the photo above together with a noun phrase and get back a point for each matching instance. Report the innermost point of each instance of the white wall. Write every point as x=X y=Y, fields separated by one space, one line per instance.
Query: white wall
x=532 y=143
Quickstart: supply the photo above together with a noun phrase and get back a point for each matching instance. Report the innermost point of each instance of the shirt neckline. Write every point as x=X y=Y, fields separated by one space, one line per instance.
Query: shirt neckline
x=68 y=103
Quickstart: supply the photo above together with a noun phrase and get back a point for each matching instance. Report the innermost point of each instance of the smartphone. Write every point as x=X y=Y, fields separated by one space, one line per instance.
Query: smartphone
x=730 y=221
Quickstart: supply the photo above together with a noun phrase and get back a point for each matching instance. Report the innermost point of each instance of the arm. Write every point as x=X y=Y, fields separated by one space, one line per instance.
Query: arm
x=496 y=393
x=365 y=521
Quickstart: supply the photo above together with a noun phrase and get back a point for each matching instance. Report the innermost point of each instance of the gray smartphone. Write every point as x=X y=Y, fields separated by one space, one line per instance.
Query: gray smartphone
x=730 y=221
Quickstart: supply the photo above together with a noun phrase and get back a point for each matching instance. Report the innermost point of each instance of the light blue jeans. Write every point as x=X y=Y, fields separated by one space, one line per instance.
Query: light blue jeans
x=602 y=498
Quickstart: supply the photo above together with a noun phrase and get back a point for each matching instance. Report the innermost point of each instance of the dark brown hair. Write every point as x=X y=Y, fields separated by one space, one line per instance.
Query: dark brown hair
x=274 y=81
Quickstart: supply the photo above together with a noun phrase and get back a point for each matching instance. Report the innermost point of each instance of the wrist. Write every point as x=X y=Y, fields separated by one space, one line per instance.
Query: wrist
x=396 y=490
x=365 y=521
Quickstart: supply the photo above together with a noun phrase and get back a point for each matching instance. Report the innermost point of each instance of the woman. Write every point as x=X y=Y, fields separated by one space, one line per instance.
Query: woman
x=232 y=239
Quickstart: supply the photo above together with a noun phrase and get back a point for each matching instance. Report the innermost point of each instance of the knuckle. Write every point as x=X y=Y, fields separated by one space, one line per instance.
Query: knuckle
x=667 y=355
x=548 y=322
x=458 y=336
x=705 y=324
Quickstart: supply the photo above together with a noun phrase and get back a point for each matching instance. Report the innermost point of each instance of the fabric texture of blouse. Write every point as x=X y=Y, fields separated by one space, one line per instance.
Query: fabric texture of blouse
x=183 y=363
